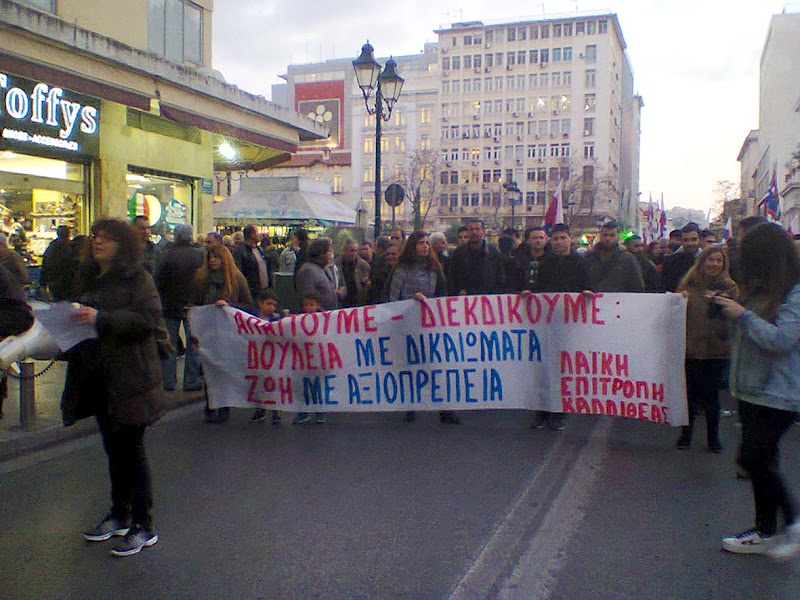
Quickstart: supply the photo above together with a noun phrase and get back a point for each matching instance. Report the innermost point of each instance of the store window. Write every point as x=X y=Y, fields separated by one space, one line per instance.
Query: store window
x=166 y=200
x=36 y=196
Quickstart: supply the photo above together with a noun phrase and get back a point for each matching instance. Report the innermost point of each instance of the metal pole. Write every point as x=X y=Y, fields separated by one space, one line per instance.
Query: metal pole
x=378 y=119
x=513 y=206
x=27 y=394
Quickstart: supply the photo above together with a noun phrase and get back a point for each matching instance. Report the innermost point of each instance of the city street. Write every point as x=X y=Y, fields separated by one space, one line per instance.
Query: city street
x=371 y=507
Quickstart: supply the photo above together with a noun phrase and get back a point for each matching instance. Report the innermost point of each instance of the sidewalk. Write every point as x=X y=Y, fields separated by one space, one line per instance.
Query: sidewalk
x=46 y=428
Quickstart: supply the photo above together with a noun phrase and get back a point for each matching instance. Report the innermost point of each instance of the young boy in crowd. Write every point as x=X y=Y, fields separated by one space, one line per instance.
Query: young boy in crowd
x=310 y=303
x=268 y=310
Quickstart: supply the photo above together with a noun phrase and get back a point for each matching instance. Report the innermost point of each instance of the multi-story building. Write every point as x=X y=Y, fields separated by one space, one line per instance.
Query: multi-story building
x=768 y=151
x=112 y=108
x=538 y=103
x=346 y=160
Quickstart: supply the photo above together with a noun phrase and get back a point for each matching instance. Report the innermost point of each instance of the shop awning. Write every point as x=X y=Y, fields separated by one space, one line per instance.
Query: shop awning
x=289 y=199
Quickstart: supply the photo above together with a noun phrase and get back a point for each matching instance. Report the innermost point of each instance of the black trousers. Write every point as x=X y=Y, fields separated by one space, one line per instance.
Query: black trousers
x=703 y=380
x=131 y=487
x=762 y=429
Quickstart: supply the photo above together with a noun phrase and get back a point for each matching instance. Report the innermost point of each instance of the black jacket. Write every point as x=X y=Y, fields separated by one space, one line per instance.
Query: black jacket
x=475 y=271
x=562 y=273
x=675 y=266
x=177 y=268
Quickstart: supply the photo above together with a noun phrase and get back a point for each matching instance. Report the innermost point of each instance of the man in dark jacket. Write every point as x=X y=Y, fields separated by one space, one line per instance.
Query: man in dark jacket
x=149 y=250
x=610 y=268
x=174 y=280
x=561 y=270
x=677 y=264
x=252 y=263
x=650 y=274
x=528 y=256
x=58 y=265
x=475 y=267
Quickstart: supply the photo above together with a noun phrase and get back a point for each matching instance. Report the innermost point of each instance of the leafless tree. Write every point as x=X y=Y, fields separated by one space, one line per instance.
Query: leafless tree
x=419 y=176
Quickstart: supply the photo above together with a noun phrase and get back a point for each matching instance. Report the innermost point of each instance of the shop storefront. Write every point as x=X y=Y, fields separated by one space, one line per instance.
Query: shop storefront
x=49 y=142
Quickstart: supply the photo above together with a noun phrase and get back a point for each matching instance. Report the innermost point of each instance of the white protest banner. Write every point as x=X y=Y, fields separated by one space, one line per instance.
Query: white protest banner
x=611 y=354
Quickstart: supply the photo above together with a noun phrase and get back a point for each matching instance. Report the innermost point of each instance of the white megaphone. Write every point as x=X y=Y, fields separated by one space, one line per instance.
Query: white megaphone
x=36 y=343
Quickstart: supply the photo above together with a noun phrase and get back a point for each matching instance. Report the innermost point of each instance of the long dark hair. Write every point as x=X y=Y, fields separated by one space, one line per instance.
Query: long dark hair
x=129 y=251
x=227 y=268
x=409 y=254
x=770 y=268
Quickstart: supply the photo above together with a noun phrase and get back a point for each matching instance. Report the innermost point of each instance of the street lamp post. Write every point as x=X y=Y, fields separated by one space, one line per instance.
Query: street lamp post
x=514 y=197
x=387 y=85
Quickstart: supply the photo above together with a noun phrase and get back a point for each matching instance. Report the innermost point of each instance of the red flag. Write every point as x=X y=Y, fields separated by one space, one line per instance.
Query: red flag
x=555 y=211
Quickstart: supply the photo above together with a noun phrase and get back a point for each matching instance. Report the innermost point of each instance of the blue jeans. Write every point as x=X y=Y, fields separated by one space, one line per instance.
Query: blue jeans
x=192 y=376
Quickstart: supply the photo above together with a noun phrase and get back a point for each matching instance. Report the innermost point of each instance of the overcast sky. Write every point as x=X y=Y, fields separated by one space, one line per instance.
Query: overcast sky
x=695 y=63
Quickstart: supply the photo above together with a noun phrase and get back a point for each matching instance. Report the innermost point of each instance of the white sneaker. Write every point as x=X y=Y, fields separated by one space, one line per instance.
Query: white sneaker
x=787 y=546
x=748 y=542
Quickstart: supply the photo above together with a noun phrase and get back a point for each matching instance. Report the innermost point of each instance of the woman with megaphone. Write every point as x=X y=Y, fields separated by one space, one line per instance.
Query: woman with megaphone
x=116 y=377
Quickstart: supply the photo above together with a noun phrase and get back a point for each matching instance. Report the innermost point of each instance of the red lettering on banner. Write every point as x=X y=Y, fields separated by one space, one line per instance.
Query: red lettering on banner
x=566 y=363
x=581 y=406
x=596 y=310
x=487 y=312
x=575 y=308
x=347 y=321
x=551 y=301
x=658 y=392
x=566 y=405
x=241 y=327
x=565 y=385
x=470 y=304
x=512 y=308
x=643 y=411
x=534 y=313
x=251 y=390
x=451 y=320
x=427 y=318
x=369 y=319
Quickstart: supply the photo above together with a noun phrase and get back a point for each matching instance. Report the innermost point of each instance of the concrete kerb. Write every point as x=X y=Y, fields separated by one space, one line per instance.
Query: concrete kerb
x=46 y=429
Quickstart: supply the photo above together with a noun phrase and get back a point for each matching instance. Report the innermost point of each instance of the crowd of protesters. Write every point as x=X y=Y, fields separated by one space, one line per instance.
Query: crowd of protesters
x=743 y=310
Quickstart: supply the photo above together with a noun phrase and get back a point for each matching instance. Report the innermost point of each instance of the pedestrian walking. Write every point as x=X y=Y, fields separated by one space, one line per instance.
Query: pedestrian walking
x=116 y=377
x=765 y=379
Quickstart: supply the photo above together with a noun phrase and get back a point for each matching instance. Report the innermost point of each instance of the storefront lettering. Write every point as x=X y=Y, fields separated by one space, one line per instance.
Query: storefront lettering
x=47 y=106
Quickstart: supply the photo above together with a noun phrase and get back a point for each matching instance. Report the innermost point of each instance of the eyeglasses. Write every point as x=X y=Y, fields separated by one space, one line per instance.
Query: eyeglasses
x=104 y=237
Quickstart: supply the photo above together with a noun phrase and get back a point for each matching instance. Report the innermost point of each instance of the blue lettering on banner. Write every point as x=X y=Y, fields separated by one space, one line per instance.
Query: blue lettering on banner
x=516 y=345
x=419 y=386
x=317 y=391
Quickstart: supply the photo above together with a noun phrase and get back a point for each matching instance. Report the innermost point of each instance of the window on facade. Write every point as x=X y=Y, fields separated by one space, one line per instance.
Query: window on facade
x=446 y=63
x=580 y=28
x=511 y=34
x=591 y=78
x=522 y=33
x=498 y=59
x=544 y=80
x=175 y=30
x=534 y=32
x=556 y=30
x=588 y=126
x=468 y=62
x=544 y=56
x=589 y=102
x=541 y=174
x=555 y=127
x=456 y=87
x=477 y=39
x=591 y=27
x=477 y=61
x=602 y=26
x=544 y=31
x=338 y=188
x=556 y=54
x=456 y=62
x=489 y=60
x=530 y=175
x=43 y=5
x=566 y=126
x=468 y=40
x=425 y=114
x=369 y=174
x=591 y=53
x=567 y=29
x=399 y=117
x=425 y=143
x=588 y=151
x=565 y=150
x=385 y=143
x=511 y=58
x=530 y=198
x=567 y=53
x=369 y=145
x=566 y=77
x=490 y=36
x=399 y=144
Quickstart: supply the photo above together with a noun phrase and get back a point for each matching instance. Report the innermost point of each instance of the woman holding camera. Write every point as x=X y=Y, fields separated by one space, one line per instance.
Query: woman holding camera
x=707 y=343
x=765 y=380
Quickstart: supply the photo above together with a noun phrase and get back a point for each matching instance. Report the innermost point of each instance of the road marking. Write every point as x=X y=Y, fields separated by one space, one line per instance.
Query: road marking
x=526 y=551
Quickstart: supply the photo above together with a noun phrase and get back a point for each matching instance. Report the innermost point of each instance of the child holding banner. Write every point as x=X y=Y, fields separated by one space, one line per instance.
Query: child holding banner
x=764 y=378
x=309 y=303
x=268 y=310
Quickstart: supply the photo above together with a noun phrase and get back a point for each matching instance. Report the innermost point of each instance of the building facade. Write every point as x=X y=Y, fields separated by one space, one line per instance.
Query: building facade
x=542 y=103
x=768 y=151
x=113 y=109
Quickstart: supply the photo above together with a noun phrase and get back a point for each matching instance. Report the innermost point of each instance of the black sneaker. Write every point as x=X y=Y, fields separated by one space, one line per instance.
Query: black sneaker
x=539 y=419
x=108 y=528
x=136 y=539
x=557 y=421
x=410 y=417
x=448 y=417
x=259 y=415
x=276 y=417
x=683 y=443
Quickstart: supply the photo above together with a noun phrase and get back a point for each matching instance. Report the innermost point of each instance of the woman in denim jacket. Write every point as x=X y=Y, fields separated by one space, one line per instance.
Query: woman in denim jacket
x=765 y=380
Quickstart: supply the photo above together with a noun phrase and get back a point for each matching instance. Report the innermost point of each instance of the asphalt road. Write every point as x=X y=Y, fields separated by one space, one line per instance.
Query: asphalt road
x=370 y=507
